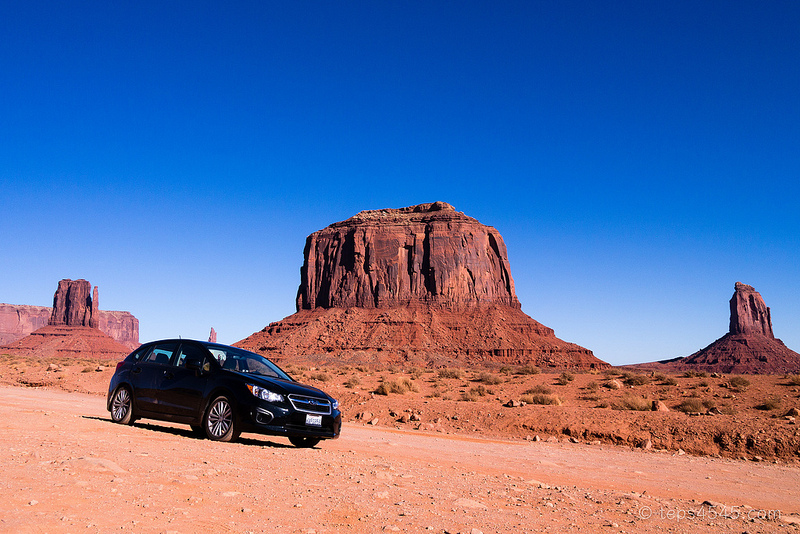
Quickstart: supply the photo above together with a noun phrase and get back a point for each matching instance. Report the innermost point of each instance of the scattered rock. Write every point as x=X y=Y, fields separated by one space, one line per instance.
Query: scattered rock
x=659 y=406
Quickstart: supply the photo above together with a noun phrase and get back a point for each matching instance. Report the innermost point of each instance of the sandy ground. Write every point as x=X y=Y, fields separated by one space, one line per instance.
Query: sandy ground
x=68 y=468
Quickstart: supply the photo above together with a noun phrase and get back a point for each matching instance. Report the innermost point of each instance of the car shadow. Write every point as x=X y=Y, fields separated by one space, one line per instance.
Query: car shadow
x=189 y=433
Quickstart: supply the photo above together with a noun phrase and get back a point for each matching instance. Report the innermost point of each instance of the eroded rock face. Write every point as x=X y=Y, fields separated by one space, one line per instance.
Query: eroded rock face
x=423 y=285
x=429 y=253
x=749 y=314
x=72 y=304
x=17 y=321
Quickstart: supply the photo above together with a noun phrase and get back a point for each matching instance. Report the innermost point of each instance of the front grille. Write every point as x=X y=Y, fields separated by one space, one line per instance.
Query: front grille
x=310 y=404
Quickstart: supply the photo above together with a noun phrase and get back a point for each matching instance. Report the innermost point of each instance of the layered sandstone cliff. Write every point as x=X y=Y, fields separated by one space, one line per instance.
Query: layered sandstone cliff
x=427 y=254
x=424 y=285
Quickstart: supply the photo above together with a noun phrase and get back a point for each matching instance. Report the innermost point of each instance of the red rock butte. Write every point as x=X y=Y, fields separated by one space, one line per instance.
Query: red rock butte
x=748 y=347
x=74 y=328
x=422 y=285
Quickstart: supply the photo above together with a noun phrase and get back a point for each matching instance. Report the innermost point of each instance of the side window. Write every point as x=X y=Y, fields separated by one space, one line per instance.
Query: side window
x=139 y=353
x=162 y=353
x=191 y=351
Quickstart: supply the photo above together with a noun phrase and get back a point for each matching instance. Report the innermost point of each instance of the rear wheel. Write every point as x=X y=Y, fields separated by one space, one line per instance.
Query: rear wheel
x=220 y=421
x=303 y=443
x=122 y=406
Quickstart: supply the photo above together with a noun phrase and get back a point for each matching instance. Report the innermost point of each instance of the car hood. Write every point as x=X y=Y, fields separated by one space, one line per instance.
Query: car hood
x=284 y=387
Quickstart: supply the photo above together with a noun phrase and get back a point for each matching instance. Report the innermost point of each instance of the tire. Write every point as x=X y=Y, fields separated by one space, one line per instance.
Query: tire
x=122 y=406
x=303 y=443
x=220 y=422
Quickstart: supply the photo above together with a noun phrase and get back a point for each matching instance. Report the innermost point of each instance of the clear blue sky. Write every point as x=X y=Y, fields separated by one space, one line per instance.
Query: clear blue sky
x=638 y=158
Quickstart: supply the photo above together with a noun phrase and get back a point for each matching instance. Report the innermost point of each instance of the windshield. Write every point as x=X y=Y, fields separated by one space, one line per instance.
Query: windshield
x=243 y=361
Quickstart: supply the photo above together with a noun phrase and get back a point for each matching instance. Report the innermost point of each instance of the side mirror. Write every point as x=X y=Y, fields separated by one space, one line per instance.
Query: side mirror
x=194 y=363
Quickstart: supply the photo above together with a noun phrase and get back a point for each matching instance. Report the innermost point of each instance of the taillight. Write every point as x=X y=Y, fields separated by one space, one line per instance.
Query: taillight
x=119 y=364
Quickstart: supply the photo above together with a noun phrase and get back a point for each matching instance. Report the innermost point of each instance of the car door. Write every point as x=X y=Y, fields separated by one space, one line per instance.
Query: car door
x=181 y=390
x=147 y=374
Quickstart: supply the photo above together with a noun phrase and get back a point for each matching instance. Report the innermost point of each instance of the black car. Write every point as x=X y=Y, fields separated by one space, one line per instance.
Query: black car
x=220 y=391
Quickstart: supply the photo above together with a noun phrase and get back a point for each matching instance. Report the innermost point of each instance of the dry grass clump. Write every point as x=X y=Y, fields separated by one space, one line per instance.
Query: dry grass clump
x=565 y=378
x=352 y=382
x=529 y=369
x=538 y=389
x=632 y=402
x=695 y=374
x=738 y=383
x=398 y=385
x=321 y=376
x=794 y=380
x=592 y=386
x=770 y=404
x=450 y=373
x=473 y=393
x=695 y=405
x=543 y=399
x=489 y=378
x=632 y=379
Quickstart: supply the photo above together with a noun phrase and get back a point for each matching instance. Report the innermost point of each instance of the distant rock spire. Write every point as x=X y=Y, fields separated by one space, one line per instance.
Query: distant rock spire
x=749 y=314
x=212 y=337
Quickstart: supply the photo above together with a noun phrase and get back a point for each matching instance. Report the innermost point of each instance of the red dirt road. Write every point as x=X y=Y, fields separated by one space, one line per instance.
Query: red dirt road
x=67 y=468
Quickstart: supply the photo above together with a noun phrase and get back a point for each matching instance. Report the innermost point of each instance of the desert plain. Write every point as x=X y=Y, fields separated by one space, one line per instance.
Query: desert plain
x=422 y=450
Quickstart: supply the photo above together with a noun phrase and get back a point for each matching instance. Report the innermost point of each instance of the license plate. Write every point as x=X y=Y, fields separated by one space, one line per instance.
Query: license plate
x=313 y=420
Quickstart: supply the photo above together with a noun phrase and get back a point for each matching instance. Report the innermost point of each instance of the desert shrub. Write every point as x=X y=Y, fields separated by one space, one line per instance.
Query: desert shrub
x=489 y=378
x=694 y=405
x=529 y=369
x=660 y=377
x=474 y=392
x=435 y=393
x=506 y=370
x=565 y=378
x=593 y=386
x=450 y=373
x=416 y=372
x=538 y=389
x=702 y=384
x=794 y=380
x=738 y=383
x=321 y=376
x=770 y=404
x=631 y=402
x=636 y=380
x=87 y=370
x=695 y=374
x=399 y=385
x=669 y=381
x=542 y=398
x=352 y=382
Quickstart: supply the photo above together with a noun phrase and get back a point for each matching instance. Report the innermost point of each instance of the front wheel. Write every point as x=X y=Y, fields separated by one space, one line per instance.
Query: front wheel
x=122 y=407
x=220 y=421
x=303 y=443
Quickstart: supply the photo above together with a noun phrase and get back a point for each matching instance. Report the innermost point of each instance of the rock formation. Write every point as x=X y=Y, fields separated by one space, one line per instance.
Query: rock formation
x=17 y=321
x=72 y=307
x=748 y=347
x=212 y=336
x=424 y=285
x=384 y=258
x=749 y=314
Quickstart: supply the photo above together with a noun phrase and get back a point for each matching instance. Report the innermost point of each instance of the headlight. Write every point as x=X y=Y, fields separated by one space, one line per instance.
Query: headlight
x=335 y=404
x=265 y=394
